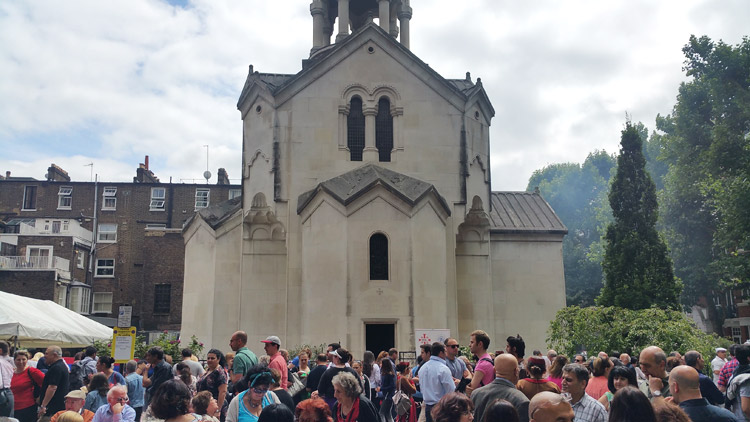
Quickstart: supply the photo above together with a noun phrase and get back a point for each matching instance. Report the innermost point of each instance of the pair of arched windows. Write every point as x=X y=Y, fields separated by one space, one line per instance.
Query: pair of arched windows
x=355 y=137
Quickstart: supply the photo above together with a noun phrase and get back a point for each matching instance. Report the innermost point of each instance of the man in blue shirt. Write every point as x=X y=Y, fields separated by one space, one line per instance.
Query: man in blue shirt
x=116 y=409
x=709 y=390
x=435 y=379
x=685 y=389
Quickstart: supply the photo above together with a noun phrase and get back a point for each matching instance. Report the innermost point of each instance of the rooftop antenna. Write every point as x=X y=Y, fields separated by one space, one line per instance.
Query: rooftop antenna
x=206 y=174
x=92 y=170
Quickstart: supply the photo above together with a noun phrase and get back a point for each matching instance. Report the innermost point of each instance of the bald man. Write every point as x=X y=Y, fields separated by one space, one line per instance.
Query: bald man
x=550 y=407
x=685 y=387
x=653 y=362
x=503 y=387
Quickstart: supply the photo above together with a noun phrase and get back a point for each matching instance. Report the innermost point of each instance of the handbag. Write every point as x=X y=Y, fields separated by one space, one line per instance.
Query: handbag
x=37 y=388
x=401 y=401
x=295 y=384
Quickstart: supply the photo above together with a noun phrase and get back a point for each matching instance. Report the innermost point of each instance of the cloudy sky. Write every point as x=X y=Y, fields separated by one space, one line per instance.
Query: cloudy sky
x=108 y=82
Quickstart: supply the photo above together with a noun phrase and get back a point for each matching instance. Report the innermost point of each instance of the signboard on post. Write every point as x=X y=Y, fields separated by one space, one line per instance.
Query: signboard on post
x=123 y=344
x=124 y=316
x=430 y=335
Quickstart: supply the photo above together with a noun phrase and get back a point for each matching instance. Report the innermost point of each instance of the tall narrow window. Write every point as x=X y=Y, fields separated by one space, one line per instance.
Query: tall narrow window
x=29 y=198
x=65 y=198
x=162 y=298
x=384 y=130
x=355 y=130
x=378 y=257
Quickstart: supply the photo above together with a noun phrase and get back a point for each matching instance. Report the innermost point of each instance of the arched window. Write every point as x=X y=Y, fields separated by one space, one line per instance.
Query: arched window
x=355 y=136
x=378 y=257
x=384 y=130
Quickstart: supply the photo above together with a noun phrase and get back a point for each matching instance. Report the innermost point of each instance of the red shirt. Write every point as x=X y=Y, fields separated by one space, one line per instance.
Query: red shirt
x=23 y=389
x=279 y=363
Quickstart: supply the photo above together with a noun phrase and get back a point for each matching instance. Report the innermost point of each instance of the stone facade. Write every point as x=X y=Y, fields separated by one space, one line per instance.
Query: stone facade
x=327 y=242
x=145 y=247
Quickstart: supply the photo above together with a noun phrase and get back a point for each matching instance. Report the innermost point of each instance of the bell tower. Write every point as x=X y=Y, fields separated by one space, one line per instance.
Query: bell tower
x=354 y=14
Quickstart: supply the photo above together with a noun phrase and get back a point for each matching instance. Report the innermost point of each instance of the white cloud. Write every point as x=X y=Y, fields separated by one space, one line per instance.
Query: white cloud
x=110 y=82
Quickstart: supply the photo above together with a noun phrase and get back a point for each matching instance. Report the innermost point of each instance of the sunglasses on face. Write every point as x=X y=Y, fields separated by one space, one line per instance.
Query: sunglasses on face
x=122 y=399
x=453 y=346
x=257 y=390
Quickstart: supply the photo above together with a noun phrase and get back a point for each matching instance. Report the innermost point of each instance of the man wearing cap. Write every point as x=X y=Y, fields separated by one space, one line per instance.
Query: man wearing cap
x=325 y=388
x=117 y=408
x=271 y=346
x=74 y=402
x=244 y=359
x=718 y=362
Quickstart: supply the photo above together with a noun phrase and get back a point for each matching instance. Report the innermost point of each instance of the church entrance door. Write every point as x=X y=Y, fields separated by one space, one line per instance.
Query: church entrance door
x=379 y=337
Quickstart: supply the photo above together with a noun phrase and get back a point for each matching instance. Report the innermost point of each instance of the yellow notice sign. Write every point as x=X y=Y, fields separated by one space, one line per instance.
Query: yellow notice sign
x=123 y=344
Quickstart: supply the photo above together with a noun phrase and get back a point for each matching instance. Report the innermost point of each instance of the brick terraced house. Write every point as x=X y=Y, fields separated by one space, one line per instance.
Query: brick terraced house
x=93 y=246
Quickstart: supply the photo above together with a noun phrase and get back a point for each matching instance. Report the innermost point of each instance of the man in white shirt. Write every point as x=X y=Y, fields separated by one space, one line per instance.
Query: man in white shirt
x=718 y=362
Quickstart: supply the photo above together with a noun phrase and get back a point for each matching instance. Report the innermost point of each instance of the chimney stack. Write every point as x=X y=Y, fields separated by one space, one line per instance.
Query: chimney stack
x=222 y=177
x=146 y=162
x=57 y=174
x=7 y=174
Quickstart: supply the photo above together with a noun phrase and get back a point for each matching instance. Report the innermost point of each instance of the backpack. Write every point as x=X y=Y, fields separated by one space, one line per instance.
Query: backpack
x=481 y=383
x=76 y=377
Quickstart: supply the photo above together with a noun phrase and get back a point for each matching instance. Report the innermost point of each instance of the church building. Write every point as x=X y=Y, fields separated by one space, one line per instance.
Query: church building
x=367 y=211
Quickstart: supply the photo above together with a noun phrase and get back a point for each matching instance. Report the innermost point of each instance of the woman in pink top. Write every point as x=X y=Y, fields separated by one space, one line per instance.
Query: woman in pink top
x=597 y=385
x=555 y=370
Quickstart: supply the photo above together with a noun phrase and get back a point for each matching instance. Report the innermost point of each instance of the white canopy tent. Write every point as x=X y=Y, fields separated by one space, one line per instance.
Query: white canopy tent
x=41 y=323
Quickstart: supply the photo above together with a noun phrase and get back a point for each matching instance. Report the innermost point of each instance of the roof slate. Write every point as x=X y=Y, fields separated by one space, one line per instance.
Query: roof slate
x=350 y=185
x=218 y=213
x=523 y=212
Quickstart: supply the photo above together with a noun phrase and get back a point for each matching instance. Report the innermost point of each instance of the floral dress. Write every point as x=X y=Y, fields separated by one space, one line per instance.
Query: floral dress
x=211 y=381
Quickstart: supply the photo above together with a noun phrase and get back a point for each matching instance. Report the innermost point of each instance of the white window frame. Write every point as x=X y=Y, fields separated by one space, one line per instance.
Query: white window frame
x=234 y=193
x=157 y=200
x=106 y=233
x=57 y=223
x=36 y=197
x=39 y=263
x=65 y=198
x=104 y=267
x=102 y=303
x=109 y=199
x=737 y=335
x=156 y=226
x=62 y=296
x=80 y=299
x=202 y=197
x=80 y=259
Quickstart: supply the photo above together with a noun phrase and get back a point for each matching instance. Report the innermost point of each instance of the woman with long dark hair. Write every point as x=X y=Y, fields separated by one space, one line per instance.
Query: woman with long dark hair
x=387 y=387
x=631 y=405
x=215 y=379
x=97 y=395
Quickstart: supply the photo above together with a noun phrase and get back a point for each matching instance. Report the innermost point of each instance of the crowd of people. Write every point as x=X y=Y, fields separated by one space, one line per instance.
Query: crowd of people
x=441 y=386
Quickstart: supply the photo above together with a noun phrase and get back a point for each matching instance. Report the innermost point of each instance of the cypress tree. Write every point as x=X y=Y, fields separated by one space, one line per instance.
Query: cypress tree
x=637 y=267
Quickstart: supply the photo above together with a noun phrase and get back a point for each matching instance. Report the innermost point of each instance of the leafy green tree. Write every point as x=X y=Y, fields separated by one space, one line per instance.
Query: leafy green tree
x=612 y=329
x=637 y=267
x=706 y=144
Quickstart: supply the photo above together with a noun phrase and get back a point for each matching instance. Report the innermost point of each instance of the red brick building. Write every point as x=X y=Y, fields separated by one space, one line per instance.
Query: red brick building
x=94 y=246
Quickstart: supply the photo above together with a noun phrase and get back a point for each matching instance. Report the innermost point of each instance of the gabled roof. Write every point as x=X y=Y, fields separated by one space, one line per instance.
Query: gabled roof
x=216 y=214
x=277 y=83
x=351 y=185
x=523 y=212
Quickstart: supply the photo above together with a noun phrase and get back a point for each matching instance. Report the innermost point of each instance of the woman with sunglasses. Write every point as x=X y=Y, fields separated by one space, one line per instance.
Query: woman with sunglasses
x=247 y=405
